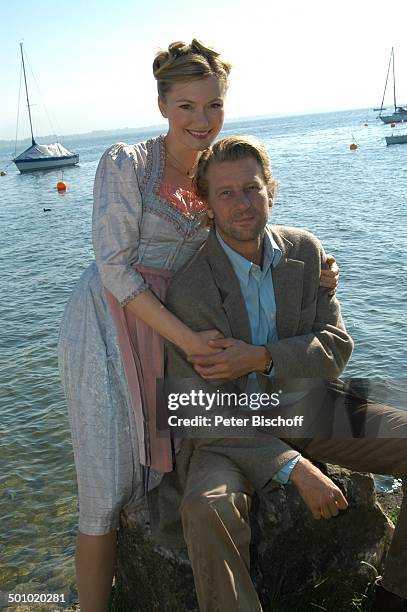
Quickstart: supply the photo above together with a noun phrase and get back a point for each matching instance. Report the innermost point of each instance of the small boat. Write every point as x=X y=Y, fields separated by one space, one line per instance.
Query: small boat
x=399 y=115
x=396 y=139
x=41 y=156
x=400 y=112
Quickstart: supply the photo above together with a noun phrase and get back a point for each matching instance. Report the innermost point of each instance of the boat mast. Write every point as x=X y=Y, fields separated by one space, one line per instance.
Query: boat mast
x=394 y=82
x=26 y=91
x=385 y=85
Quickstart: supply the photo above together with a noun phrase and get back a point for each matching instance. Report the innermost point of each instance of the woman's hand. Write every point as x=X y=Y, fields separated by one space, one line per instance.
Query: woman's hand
x=198 y=344
x=236 y=358
x=330 y=278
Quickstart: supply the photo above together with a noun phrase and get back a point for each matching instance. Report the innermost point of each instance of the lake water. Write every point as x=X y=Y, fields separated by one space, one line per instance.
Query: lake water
x=355 y=202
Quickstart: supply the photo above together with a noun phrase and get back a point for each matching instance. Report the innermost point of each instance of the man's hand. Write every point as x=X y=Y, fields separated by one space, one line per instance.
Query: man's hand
x=321 y=495
x=330 y=278
x=235 y=359
x=200 y=342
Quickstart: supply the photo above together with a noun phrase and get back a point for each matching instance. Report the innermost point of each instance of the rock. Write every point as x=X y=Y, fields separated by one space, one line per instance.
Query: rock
x=293 y=551
x=150 y=578
x=390 y=502
x=290 y=550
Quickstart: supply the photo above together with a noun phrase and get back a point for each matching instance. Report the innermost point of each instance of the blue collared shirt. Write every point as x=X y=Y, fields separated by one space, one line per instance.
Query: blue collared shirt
x=257 y=289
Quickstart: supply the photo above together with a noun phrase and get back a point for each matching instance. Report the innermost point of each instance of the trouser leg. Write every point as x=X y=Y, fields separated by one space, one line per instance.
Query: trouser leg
x=215 y=518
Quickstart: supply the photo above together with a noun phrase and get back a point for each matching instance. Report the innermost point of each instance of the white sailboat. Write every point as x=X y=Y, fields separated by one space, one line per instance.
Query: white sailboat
x=400 y=112
x=41 y=156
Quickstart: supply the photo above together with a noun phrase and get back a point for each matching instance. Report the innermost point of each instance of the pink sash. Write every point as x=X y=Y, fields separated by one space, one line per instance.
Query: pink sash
x=143 y=359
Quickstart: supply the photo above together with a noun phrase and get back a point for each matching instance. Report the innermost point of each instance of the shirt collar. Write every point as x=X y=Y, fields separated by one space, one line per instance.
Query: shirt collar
x=242 y=266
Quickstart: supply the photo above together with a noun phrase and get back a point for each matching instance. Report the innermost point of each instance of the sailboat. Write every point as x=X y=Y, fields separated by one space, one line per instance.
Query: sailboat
x=41 y=156
x=400 y=112
x=396 y=139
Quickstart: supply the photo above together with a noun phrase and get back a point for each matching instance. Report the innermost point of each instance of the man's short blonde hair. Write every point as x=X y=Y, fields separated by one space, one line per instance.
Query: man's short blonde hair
x=233 y=148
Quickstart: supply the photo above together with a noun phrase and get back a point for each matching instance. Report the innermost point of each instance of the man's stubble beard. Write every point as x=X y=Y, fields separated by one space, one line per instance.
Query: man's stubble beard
x=257 y=231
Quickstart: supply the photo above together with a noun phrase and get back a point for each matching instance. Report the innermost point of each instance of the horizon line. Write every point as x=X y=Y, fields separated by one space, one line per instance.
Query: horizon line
x=159 y=126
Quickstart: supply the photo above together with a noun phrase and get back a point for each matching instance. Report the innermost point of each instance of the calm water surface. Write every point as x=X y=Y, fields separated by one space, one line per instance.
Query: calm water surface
x=356 y=203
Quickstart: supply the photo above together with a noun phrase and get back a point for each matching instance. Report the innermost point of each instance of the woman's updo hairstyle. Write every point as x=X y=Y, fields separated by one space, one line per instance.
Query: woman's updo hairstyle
x=187 y=62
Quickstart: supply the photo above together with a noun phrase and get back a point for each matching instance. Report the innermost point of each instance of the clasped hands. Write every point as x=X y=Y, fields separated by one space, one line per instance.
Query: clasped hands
x=219 y=358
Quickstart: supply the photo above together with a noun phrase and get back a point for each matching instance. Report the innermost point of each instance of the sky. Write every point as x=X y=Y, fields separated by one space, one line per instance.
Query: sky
x=92 y=60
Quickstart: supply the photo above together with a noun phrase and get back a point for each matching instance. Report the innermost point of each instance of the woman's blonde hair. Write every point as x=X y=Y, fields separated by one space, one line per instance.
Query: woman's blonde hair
x=233 y=148
x=187 y=62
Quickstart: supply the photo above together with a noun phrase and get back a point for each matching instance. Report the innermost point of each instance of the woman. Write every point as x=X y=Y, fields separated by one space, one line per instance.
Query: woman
x=146 y=224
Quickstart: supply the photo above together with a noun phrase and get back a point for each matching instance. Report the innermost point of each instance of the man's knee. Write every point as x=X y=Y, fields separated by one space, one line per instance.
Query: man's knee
x=208 y=511
x=195 y=508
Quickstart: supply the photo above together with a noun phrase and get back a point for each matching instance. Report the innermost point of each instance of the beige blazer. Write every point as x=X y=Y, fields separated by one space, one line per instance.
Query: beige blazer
x=313 y=342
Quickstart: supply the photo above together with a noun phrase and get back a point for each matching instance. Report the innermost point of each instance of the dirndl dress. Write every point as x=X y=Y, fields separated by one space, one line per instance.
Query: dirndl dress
x=143 y=232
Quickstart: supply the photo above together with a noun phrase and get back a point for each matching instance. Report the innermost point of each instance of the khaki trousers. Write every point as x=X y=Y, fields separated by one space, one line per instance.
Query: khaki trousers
x=217 y=496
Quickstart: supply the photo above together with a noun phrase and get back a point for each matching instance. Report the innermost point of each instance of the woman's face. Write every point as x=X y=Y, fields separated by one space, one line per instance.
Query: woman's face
x=195 y=112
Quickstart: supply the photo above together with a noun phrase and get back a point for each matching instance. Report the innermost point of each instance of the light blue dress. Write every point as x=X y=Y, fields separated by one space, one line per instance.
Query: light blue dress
x=132 y=224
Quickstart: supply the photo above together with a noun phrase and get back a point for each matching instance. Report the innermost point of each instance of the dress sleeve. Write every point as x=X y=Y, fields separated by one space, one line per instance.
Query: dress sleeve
x=117 y=211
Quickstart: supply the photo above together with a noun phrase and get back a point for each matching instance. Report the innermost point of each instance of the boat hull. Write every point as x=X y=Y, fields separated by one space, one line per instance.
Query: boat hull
x=394 y=118
x=46 y=163
x=398 y=139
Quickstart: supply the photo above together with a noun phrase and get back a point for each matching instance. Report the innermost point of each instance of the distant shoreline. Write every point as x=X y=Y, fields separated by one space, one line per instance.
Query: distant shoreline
x=4 y=143
x=83 y=136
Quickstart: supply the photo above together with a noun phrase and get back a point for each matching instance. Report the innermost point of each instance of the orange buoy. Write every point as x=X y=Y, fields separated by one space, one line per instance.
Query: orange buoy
x=353 y=146
x=61 y=186
x=392 y=124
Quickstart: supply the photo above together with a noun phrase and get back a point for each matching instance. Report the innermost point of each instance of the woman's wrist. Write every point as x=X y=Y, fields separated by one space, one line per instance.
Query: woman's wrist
x=187 y=340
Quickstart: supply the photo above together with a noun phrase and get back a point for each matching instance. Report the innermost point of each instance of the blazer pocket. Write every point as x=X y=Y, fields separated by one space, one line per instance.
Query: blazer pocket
x=307 y=318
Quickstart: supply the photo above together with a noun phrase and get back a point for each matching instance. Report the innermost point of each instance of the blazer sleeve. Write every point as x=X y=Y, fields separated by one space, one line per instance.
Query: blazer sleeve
x=117 y=212
x=324 y=351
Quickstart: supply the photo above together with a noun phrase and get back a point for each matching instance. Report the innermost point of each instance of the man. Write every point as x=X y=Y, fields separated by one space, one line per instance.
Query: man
x=259 y=286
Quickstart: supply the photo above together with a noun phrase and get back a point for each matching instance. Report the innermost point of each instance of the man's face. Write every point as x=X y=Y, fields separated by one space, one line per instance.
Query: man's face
x=239 y=202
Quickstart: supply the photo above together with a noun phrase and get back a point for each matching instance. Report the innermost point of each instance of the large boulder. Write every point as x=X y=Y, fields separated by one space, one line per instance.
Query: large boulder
x=291 y=552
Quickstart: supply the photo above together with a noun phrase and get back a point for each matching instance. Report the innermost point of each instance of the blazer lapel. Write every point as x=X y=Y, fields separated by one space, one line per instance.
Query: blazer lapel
x=229 y=289
x=232 y=299
x=288 y=278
